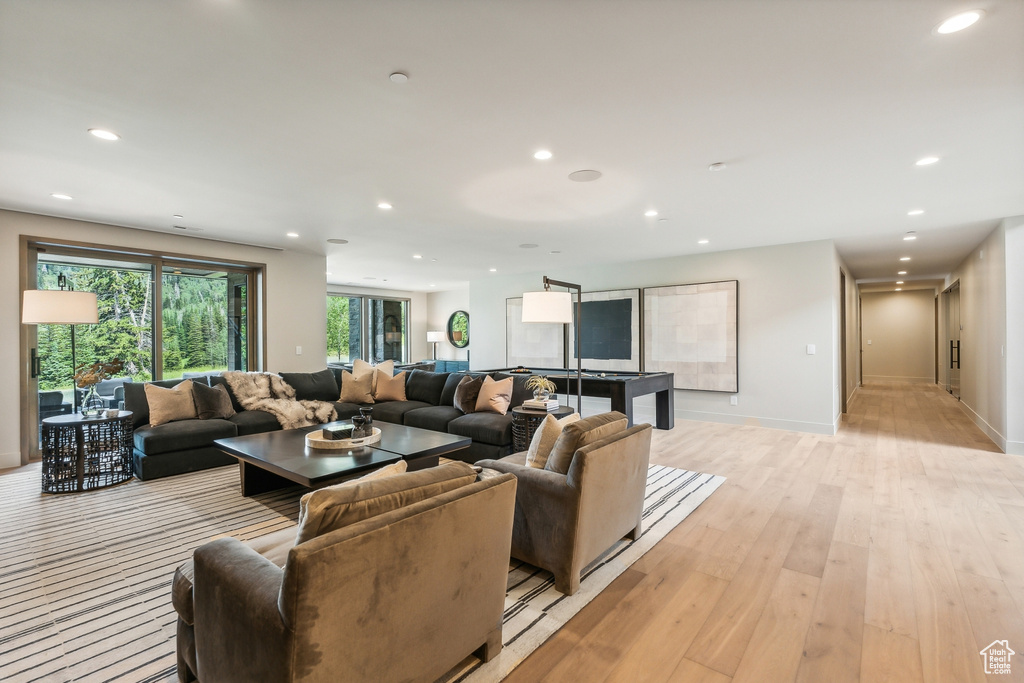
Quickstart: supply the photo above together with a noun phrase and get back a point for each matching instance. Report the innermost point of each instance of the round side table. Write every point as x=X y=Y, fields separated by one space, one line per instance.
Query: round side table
x=525 y=422
x=86 y=453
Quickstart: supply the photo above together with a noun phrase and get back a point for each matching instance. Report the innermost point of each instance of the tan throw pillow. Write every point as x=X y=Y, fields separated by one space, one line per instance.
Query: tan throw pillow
x=389 y=388
x=467 y=392
x=494 y=396
x=356 y=389
x=335 y=507
x=580 y=433
x=360 y=367
x=169 y=405
x=544 y=439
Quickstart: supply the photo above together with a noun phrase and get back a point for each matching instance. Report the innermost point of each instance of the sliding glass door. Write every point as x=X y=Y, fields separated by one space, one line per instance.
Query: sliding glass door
x=362 y=327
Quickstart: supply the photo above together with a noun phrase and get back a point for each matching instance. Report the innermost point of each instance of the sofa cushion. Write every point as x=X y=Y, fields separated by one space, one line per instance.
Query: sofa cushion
x=212 y=402
x=254 y=422
x=313 y=386
x=356 y=389
x=389 y=388
x=359 y=500
x=218 y=380
x=323 y=510
x=421 y=385
x=467 y=393
x=489 y=428
x=494 y=396
x=581 y=433
x=178 y=436
x=435 y=418
x=169 y=405
x=346 y=410
x=520 y=392
x=545 y=437
x=135 y=398
x=394 y=411
x=450 y=385
x=360 y=368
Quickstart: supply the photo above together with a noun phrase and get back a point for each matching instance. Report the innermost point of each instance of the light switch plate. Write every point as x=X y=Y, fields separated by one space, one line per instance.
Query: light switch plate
x=810 y=350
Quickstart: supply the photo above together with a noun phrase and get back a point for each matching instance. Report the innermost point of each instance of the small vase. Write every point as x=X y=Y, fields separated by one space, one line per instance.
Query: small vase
x=541 y=394
x=92 y=404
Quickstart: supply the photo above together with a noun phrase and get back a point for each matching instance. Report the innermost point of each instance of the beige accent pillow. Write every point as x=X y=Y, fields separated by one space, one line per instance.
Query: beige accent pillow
x=389 y=388
x=580 y=433
x=169 y=405
x=360 y=367
x=356 y=389
x=335 y=507
x=545 y=437
x=494 y=396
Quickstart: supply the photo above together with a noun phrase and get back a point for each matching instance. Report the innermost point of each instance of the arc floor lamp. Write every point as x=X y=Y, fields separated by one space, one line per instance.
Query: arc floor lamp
x=556 y=307
x=59 y=307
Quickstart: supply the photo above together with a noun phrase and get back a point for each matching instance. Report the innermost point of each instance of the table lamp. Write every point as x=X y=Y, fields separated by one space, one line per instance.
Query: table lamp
x=434 y=336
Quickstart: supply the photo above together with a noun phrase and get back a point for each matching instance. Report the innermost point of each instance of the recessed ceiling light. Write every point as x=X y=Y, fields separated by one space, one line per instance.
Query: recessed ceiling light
x=417 y=256
x=494 y=270
x=927 y=161
x=663 y=220
x=177 y=215
x=384 y=205
x=902 y=272
x=585 y=176
x=899 y=282
x=104 y=134
x=556 y=251
x=527 y=246
x=399 y=77
x=915 y=212
x=899 y=289
x=542 y=154
x=369 y=277
x=432 y=284
x=904 y=258
x=959 y=22
x=717 y=166
x=702 y=241
x=293 y=234
x=909 y=236
x=433 y=260
x=337 y=240
x=650 y=213
x=58 y=195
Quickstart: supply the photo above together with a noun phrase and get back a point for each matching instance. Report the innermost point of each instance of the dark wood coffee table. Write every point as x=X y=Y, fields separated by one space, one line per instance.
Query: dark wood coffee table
x=273 y=460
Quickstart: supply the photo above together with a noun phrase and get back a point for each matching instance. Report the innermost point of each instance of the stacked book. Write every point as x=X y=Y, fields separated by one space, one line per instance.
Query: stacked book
x=534 y=404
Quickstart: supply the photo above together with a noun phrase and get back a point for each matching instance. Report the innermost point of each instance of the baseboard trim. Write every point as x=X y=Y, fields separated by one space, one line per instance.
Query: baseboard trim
x=998 y=439
x=9 y=460
x=1015 y=447
x=824 y=428
x=911 y=380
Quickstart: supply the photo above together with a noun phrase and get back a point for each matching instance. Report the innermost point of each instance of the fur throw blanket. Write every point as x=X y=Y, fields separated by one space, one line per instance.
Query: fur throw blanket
x=270 y=393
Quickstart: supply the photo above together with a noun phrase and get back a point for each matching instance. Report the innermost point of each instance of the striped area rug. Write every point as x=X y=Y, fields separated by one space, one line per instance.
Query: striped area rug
x=86 y=577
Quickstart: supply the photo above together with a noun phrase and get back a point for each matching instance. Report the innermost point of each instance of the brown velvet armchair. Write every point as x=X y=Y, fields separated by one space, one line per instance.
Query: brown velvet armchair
x=403 y=595
x=563 y=522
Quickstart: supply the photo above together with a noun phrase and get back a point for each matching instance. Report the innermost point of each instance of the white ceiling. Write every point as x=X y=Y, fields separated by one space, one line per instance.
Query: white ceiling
x=252 y=119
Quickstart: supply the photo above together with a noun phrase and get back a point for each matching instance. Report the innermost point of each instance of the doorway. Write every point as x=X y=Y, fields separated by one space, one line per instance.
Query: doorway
x=953 y=330
x=842 y=338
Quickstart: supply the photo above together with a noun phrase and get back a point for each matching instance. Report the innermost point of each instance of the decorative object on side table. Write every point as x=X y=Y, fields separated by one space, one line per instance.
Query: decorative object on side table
x=87 y=377
x=542 y=387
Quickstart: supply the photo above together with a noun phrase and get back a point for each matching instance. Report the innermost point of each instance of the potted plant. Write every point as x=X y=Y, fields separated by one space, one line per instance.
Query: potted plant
x=542 y=387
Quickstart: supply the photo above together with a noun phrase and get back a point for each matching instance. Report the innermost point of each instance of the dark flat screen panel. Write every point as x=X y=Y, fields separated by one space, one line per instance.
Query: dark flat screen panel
x=607 y=329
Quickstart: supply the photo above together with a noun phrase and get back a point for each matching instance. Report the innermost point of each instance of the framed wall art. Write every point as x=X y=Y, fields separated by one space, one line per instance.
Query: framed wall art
x=691 y=330
x=610 y=329
x=538 y=345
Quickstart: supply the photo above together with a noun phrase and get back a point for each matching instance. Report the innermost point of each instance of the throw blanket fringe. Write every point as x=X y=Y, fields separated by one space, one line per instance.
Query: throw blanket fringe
x=270 y=393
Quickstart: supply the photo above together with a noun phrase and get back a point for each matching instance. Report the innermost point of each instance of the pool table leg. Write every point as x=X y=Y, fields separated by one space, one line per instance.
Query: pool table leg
x=665 y=409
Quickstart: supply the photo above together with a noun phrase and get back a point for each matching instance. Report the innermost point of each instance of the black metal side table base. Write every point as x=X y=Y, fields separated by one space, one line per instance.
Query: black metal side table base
x=526 y=421
x=80 y=454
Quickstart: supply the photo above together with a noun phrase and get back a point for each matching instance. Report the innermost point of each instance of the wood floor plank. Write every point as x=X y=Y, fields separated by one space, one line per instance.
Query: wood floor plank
x=810 y=550
x=986 y=601
x=889 y=657
x=832 y=650
x=889 y=577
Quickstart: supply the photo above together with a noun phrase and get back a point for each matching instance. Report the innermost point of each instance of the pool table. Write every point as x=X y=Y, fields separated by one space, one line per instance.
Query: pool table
x=620 y=387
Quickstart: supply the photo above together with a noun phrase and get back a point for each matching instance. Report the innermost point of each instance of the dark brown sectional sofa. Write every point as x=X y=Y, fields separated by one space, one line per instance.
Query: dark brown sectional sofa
x=187 y=445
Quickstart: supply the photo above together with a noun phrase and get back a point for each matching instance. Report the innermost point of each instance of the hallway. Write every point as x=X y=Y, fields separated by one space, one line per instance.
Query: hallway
x=893 y=551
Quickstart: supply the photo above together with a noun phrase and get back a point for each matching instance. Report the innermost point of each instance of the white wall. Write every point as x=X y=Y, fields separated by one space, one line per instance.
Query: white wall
x=983 y=297
x=419 y=348
x=440 y=306
x=786 y=301
x=295 y=304
x=1014 y=348
x=901 y=329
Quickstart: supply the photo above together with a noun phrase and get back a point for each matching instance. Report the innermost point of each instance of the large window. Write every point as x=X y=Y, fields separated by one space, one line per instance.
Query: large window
x=362 y=327
x=202 y=314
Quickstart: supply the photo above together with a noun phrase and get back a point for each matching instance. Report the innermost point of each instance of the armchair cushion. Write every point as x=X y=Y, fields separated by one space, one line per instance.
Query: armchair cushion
x=545 y=437
x=581 y=433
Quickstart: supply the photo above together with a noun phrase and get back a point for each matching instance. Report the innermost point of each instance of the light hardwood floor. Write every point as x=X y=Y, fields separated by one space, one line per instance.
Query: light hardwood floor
x=893 y=551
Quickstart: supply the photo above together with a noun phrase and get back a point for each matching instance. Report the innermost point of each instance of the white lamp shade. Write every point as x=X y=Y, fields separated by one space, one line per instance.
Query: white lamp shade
x=435 y=336
x=547 y=307
x=58 y=307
